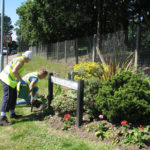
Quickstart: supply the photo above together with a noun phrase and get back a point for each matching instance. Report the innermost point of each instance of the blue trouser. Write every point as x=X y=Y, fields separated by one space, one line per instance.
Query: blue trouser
x=9 y=98
x=27 y=101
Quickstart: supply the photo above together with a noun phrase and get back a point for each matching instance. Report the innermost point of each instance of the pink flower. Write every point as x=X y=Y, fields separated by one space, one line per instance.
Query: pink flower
x=141 y=127
x=54 y=72
x=66 y=116
x=91 y=103
x=101 y=116
x=124 y=122
x=65 y=89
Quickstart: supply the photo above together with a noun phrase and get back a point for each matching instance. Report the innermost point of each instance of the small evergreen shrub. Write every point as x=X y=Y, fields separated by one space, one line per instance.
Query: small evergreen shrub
x=124 y=97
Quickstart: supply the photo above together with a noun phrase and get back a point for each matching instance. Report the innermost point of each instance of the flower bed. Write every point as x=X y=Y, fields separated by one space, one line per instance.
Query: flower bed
x=116 y=105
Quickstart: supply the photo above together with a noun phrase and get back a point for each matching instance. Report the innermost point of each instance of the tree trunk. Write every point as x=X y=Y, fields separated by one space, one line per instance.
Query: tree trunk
x=146 y=17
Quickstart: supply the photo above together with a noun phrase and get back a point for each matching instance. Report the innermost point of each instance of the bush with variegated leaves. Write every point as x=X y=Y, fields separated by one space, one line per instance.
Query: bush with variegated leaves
x=66 y=102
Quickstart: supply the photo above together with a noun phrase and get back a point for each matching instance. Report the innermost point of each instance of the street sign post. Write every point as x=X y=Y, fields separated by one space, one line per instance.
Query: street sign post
x=78 y=86
x=2 y=25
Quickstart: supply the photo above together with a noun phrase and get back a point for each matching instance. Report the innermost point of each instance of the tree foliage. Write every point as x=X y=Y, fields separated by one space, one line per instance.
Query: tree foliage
x=45 y=21
x=13 y=45
x=8 y=27
x=50 y=21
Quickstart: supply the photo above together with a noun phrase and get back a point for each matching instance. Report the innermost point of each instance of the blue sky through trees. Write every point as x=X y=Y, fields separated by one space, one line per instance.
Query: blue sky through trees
x=10 y=11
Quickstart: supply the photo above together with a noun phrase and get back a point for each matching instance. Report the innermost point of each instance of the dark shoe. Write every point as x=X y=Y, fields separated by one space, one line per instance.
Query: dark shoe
x=4 y=121
x=15 y=116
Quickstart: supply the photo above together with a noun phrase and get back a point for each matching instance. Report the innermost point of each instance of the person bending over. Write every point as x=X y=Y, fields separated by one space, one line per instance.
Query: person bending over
x=31 y=79
x=9 y=78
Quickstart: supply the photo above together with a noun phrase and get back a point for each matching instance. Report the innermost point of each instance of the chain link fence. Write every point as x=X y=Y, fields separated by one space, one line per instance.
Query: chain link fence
x=83 y=49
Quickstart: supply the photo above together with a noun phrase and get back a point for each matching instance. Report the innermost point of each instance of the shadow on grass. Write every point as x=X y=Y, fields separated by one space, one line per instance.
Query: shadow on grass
x=35 y=116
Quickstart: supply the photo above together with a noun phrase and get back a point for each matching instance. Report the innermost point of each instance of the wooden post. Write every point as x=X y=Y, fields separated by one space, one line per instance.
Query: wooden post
x=47 y=47
x=80 y=102
x=57 y=45
x=36 y=50
x=76 y=50
x=50 y=90
x=137 y=47
x=79 y=86
x=71 y=76
x=66 y=51
x=93 y=48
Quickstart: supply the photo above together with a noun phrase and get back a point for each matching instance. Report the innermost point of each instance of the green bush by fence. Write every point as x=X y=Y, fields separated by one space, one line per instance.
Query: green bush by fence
x=124 y=97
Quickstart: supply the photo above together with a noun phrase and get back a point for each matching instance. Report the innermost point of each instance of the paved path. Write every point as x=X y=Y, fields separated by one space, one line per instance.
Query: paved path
x=10 y=57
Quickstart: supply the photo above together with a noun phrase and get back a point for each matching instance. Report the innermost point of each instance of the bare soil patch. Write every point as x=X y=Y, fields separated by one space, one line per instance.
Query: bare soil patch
x=57 y=123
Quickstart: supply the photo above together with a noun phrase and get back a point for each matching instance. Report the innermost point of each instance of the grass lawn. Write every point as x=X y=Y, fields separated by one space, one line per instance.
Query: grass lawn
x=31 y=132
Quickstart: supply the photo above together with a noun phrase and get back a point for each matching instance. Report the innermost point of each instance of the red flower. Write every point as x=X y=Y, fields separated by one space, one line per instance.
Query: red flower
x=141 y=127
x=64 y=96
x=124 y=122
x=65 y=89
x=66 y=116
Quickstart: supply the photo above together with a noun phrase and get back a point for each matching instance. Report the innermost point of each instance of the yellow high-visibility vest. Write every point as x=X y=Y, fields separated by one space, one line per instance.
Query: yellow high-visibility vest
x=7 y=75
x=27 y=77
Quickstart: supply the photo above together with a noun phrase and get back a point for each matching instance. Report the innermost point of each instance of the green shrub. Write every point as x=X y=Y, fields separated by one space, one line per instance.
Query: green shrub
x=124 y=97
x=91 y=87
x=66 y=102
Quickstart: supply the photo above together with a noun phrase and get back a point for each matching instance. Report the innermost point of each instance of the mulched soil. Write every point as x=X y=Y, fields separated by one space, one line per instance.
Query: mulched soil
x=57 y=123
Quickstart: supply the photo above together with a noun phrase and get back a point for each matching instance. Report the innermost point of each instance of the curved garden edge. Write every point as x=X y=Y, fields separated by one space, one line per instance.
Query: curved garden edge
x=81 y=132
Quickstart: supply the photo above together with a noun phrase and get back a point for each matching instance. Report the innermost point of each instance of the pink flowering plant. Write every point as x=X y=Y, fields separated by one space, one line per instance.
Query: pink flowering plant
x=101 y=130
x=101 y=116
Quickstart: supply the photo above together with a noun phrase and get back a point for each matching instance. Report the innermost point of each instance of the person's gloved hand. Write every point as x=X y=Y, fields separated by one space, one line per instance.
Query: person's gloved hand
x=23 y=82
x=32 y=100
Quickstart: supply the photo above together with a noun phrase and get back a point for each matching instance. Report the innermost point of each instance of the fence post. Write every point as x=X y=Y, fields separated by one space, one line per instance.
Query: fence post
x=94 y=46
x=80 y=102
x=47 y=47
x=50 y=90
x=57 y=50
x=36 y=50
x=71 y=75
x=76 y=50
x=137 y=46
x=66 y=51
